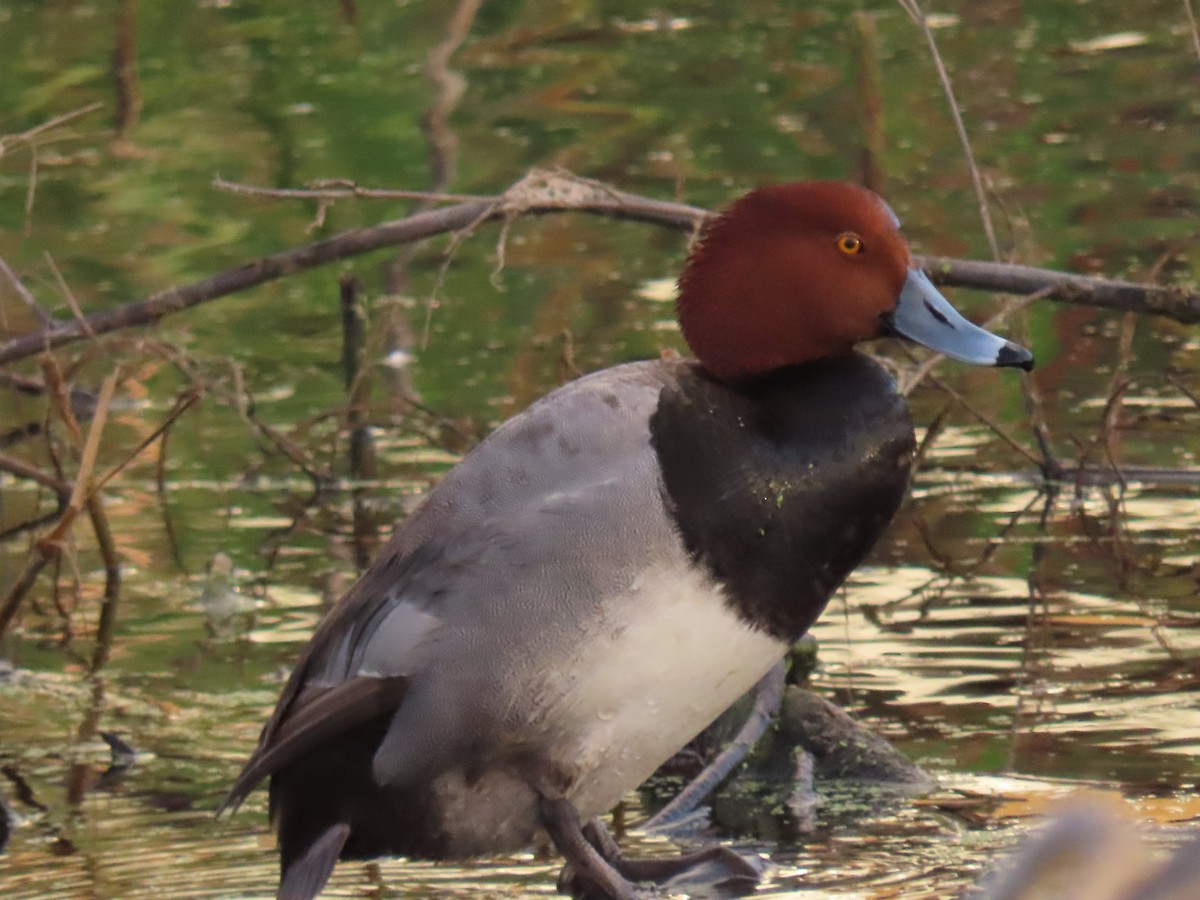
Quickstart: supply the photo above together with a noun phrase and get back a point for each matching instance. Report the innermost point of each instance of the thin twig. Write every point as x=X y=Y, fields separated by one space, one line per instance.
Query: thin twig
x=30 y=193
x=1034 y=409
x=27 y=298
x=1118 y=384
x=1191 y=17
x=182 y=405
x=941 y=583
x=1032 y=651
x=72 y=303
x=86 y=486
x=21 y=469
x=456 y=241
x=60 y=394
x=336 y=189
x=913 y=8
x=91 y=447
x=1029 y=389
x=999 y=430
x=49 y=124
x=22 y=383
x=295 y=453
x=1185 y=390
x=50 y=544
x=30 y=137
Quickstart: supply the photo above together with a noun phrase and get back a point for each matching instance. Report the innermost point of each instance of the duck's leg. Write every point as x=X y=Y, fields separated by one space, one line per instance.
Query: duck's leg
x=713 y=866
x=602 y=865
x=587 y=873
x=680 y=814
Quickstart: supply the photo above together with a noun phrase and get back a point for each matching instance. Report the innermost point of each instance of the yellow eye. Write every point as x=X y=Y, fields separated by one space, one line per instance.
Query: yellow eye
x=850 y=243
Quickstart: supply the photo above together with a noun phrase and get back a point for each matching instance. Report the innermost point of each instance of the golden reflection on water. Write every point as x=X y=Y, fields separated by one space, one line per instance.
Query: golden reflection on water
x=1068 y=677
x=965 y=674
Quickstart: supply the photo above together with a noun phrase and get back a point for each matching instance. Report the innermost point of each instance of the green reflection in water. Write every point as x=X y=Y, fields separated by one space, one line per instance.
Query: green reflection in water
x=1068 y=651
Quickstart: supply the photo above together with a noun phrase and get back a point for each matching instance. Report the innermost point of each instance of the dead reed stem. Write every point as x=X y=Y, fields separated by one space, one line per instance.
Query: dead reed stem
x=50 y=545
x=85 y=488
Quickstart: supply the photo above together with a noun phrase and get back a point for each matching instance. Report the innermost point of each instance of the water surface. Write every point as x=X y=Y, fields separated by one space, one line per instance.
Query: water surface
x=1018 y=646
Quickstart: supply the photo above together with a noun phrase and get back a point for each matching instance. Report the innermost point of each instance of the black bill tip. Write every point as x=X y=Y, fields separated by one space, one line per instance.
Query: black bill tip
x=1016 y=356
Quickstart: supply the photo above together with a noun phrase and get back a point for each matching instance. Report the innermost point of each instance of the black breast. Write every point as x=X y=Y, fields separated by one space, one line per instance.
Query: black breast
x=781 y=487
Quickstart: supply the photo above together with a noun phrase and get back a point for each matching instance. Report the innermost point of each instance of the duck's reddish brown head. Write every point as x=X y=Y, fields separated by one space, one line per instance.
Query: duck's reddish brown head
x=804 y=271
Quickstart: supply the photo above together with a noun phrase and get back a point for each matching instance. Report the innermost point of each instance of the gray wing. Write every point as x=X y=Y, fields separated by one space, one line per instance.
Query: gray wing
x=510 y=557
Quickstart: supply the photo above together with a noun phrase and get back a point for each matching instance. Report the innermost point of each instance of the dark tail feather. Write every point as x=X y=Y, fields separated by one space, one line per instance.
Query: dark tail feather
x=304 y=878
x=324 y=715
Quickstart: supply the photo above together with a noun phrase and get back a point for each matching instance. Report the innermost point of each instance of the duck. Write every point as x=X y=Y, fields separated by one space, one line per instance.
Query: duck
x=612 y=568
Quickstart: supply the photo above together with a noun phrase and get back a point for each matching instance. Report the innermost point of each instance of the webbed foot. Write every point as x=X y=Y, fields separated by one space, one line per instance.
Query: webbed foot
x=715 y=871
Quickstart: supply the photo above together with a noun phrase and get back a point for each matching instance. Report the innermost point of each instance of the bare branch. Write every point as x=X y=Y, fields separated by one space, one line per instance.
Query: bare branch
x=336 y=189
x=1173 y=301
x=541 y=193
x=48 y=125
x=30 y=137
x=19 y=468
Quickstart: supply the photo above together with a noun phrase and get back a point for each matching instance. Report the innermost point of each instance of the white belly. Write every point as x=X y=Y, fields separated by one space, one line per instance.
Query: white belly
x=668 y=659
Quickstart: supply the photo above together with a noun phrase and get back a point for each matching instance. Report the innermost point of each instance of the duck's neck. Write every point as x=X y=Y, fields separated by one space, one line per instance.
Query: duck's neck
x=781 y=485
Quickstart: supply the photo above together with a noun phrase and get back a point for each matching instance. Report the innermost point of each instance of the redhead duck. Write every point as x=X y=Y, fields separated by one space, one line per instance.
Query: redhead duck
x=612 y=568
